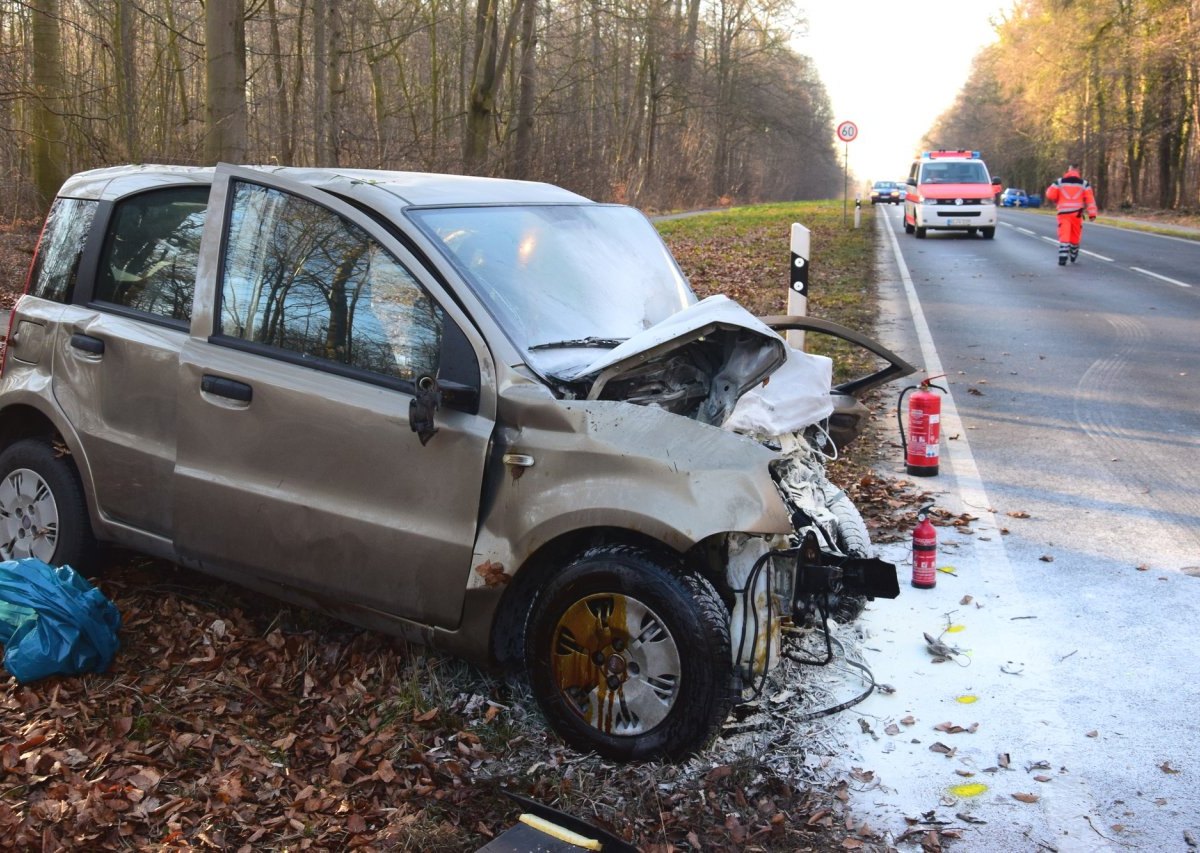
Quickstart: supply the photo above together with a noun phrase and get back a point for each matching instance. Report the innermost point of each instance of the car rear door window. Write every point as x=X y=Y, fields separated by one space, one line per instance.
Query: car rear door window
x=150 y=253
x=300 y=278
x=63 y=238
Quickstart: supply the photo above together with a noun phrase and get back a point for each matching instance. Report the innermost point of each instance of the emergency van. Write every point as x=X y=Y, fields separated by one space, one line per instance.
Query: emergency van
x=950 y=191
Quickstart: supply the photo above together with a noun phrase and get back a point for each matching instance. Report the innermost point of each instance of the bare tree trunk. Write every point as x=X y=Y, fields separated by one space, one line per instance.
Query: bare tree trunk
x=322 y=119
x=490 y=60
x=127 y=80
x=225 y=79
x=525 y=104
x=48 y=150
x=283 y=112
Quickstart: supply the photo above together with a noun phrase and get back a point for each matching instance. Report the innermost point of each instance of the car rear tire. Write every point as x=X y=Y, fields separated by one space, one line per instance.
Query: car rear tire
x=920 y=233
x=988 y=233
x=629 y=656
x=43 y=512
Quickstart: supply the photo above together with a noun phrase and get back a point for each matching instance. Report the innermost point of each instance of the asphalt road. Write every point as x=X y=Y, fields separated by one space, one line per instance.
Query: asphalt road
x=1072 y=438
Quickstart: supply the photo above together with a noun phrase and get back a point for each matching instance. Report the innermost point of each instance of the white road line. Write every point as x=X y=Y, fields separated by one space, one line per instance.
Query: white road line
x=1069 y=809
x=1162 y=277
x=1082 y=251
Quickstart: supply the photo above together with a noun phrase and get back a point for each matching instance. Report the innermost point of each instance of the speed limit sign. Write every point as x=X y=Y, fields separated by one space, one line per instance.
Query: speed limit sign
x=847 y=131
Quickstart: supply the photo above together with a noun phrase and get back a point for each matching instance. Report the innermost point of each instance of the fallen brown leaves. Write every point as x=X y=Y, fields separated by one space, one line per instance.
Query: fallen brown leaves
x=234 y=728
x=231 y=722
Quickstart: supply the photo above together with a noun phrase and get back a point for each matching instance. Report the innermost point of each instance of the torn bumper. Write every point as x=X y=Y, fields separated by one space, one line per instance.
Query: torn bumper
x=776 y=586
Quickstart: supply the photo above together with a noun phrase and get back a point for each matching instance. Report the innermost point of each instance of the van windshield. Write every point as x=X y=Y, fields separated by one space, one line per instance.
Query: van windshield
x=953 y=173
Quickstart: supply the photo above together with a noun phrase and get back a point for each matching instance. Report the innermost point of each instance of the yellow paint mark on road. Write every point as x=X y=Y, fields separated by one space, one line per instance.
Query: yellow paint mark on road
x=970 y=789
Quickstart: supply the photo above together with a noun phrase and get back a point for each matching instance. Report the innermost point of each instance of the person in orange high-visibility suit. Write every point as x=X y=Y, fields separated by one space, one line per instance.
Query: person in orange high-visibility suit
x=1073 y=197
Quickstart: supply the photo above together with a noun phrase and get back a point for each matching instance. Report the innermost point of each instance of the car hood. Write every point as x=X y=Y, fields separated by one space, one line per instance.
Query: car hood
x=715 y=344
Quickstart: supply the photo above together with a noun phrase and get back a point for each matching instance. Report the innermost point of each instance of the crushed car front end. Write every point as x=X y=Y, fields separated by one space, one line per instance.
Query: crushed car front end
x=642 y=540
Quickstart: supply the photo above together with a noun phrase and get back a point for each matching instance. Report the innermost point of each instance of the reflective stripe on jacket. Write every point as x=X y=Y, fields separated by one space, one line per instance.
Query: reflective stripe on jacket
x=1072 y=196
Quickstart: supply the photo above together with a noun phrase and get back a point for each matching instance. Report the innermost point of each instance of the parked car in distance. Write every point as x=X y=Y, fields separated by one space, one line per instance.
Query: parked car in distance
x=886 y=192
x=489 y=416
x=1013 y=197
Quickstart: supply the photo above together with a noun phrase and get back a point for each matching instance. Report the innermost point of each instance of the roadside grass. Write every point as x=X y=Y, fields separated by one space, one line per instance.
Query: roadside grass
x=744 y=253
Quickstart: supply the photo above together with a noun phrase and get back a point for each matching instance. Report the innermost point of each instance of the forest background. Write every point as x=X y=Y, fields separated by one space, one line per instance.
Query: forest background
x=1110 y=85
x=643 y=101
x=658 y=103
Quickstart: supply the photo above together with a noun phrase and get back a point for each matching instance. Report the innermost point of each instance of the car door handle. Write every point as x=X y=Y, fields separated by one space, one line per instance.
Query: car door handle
x=87 y=343
x=230 y=388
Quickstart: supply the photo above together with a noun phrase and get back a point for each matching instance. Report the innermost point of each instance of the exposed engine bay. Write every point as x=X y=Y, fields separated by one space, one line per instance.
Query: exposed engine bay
x=717 y=364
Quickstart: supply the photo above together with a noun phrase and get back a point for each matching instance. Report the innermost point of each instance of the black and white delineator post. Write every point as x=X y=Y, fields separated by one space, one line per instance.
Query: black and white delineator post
x=798 y=289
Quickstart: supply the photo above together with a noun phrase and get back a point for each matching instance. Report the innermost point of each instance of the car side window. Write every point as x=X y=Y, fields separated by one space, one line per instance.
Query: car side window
x=151 y=250
x=300 y=278
x=60 y=249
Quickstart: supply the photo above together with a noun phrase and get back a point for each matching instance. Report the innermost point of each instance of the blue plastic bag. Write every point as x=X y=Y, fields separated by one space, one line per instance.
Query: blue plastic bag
x=53 y=622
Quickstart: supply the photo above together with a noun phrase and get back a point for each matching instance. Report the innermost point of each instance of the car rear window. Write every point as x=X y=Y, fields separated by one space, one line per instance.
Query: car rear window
x=151 y=252
x=57 y=263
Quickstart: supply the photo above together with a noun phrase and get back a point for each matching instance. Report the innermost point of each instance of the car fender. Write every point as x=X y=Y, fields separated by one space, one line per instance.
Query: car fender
x=30 y=390
x=567 y=466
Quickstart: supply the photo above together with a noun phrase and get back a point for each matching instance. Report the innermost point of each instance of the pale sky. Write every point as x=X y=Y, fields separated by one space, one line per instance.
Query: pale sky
x=892 y=67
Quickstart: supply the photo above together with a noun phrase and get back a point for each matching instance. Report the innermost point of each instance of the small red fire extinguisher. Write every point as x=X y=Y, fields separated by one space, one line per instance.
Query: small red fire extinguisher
x=924 y=551
x=924 y=427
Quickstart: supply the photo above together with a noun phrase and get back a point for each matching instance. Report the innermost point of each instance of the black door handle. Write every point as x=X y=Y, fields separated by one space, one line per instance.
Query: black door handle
x=223 y=387
x=87 y=343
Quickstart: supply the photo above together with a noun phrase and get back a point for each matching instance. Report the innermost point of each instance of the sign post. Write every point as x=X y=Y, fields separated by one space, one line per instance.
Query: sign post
x=798 y=287
x=847 y=131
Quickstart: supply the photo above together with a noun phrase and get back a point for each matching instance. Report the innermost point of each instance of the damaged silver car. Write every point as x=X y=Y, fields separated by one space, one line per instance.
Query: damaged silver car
x=486 y=415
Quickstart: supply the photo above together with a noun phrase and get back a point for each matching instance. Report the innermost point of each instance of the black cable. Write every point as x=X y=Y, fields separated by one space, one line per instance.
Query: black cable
x=850 y=703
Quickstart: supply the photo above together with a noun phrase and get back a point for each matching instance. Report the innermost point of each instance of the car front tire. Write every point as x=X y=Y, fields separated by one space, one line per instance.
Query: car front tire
x=920 y=233
x=43 y=512
x=988 y=233
x=629 y=656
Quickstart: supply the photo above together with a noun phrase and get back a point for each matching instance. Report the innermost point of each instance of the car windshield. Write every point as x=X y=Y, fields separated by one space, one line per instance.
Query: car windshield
x=884 y=185
x=954 y=173
x=562 y=278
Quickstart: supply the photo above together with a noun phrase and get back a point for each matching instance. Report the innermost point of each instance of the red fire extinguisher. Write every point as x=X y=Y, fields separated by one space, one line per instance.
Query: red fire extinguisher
x=924 y=427
x=924 y=551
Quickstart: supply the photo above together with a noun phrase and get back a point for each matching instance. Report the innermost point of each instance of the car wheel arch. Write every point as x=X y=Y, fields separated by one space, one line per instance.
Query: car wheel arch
x=516 y=603
x=22 y=420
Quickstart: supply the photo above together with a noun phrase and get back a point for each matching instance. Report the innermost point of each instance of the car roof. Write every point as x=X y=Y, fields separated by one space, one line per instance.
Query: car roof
x=377 y=188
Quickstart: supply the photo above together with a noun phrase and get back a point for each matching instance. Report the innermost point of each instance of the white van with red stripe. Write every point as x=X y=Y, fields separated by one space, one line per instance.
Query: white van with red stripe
x=951 y=191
